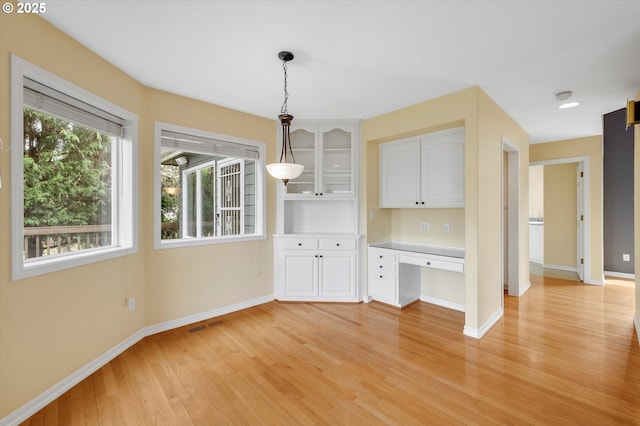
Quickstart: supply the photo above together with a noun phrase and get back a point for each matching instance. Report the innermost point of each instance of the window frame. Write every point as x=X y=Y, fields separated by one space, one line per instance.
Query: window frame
x=125 y=217
x=260 y=196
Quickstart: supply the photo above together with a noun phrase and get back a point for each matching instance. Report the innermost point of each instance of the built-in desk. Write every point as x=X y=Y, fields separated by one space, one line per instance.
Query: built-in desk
x=394 y=269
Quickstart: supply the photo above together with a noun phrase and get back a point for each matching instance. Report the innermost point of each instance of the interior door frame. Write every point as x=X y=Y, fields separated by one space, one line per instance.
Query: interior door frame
x=512 y=249
x=586 y=202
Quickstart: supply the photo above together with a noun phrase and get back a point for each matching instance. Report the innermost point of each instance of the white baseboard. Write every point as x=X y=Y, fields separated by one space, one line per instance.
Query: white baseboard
x=637 y=324
x=478 y=333
x=201 y=316
x=442 y=302
x=524 y=288
x=45 y=398
x=560 y=267
x=619 y=275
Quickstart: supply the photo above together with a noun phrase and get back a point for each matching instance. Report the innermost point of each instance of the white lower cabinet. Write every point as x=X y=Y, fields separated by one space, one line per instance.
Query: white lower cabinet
x=383 y=277
x=316 y=268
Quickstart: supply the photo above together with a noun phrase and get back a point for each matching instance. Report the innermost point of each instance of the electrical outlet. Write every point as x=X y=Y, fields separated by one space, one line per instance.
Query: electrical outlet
x=446 y=227
x=131 y=303
x=626 y=257
x=424 y=226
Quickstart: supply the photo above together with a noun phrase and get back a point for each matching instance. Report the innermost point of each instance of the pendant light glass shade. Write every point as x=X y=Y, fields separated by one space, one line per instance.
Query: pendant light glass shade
x=285 y=170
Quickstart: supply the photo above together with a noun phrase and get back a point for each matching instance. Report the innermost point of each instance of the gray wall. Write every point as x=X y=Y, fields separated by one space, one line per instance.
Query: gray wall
x=618 y=193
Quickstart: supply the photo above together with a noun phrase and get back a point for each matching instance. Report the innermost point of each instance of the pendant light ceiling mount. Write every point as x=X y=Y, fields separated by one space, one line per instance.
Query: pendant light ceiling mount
x=285 y=56
x=285 y=170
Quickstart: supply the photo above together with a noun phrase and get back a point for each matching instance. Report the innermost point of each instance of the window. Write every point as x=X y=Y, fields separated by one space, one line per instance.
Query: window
x=209 y=187
x=72 y=180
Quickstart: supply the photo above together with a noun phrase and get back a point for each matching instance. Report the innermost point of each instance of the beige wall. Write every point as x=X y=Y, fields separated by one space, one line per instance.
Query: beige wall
x=536 y=191
x=591 y=148
x=184 y=281
x=494 y=128
x=485 y=126
x=560 y=227
x=54 y=324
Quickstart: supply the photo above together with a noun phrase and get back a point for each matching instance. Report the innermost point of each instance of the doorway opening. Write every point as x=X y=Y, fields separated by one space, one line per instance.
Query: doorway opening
x=576 y=227
x=511 y=221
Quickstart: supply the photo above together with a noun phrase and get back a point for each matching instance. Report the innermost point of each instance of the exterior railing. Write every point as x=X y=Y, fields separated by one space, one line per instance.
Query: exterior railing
x=52 y=240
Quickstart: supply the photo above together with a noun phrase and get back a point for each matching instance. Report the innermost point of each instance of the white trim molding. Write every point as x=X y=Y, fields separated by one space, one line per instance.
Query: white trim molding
x=478 y=333
x=619 y=275
x=54 y=392
x=636 y=322
x=442 y=302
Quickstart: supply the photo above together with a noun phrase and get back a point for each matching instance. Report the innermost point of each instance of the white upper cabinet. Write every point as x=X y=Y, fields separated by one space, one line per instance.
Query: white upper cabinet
x=423 y=171
x=327 y=153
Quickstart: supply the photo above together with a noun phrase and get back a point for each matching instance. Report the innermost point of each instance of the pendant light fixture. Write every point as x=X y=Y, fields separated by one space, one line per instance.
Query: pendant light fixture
x=284 y=169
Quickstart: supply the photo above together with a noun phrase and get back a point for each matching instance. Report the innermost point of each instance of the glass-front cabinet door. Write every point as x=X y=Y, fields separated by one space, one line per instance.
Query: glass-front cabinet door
x=327 y=153
x=336 y=161
x=304 y=142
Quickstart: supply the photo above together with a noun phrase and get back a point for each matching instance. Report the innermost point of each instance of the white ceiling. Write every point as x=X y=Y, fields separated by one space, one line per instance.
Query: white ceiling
x=359 y=59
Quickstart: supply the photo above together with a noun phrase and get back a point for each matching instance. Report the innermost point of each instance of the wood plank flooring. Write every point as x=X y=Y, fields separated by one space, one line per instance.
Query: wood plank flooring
x=564 y=353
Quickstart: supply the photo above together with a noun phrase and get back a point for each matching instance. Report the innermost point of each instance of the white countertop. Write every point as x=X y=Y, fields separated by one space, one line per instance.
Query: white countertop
x=457 y=252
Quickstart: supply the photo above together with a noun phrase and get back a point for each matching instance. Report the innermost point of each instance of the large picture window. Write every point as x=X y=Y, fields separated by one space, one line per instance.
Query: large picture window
x=209 y=187
x=72 y=181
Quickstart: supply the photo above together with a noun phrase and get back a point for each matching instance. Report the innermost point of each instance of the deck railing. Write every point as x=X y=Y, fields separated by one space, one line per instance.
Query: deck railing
x=51 y=240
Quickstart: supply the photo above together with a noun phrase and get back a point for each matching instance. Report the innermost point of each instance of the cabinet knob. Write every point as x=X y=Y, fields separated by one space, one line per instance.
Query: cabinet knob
x=428 y=263
x=380 y=256
x=423 y=202
x=380 y=276
x=380 y=266
x=321 y=193
x=316 y=194
x=417 y=202
x=337 y=244
x=316 y=255
x=299 y=244
x=320 y=256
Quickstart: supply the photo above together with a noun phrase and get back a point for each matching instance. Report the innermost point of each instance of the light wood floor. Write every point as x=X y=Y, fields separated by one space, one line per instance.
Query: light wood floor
x=564 y=353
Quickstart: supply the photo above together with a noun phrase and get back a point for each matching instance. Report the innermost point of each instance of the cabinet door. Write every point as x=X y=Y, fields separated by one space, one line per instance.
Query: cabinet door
x=337 y=274
x=442 y=183
x=400 y=174
x=304 y=142
x=336 y=165
x=382 y=286
x=300 y=274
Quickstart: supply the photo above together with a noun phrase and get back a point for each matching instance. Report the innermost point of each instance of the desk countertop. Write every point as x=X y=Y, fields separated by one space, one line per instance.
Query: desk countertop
x=457 y=252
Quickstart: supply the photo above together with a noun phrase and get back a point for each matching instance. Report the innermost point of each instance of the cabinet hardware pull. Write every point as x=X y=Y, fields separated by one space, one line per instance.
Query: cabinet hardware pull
x=320 y=256
x=380 y=266
x=316 y=255
x=417 y=202
x=423 y=202
x=428 y=263
x=380 y=276
x=321 y=193
x=337 y=244
x=299 y=244
x=316 y=194
x=380 y=256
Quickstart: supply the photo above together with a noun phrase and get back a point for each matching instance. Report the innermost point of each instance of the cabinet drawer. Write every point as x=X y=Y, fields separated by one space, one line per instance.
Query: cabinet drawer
x=381 y=255
x=382 y=286
x=432 y=263
x=337 y=244
x=382 y=266
x=300 y=243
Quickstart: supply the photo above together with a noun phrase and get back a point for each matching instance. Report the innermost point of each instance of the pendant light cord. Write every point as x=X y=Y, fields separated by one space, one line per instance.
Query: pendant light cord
x=283 y=110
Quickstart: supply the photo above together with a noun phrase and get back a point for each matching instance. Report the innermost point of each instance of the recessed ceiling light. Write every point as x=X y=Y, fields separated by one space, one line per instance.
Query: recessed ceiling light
x=564 y=99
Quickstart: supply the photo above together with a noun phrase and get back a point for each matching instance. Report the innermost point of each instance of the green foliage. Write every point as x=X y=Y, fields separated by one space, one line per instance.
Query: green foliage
x=67 y=172
x=170 y=198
